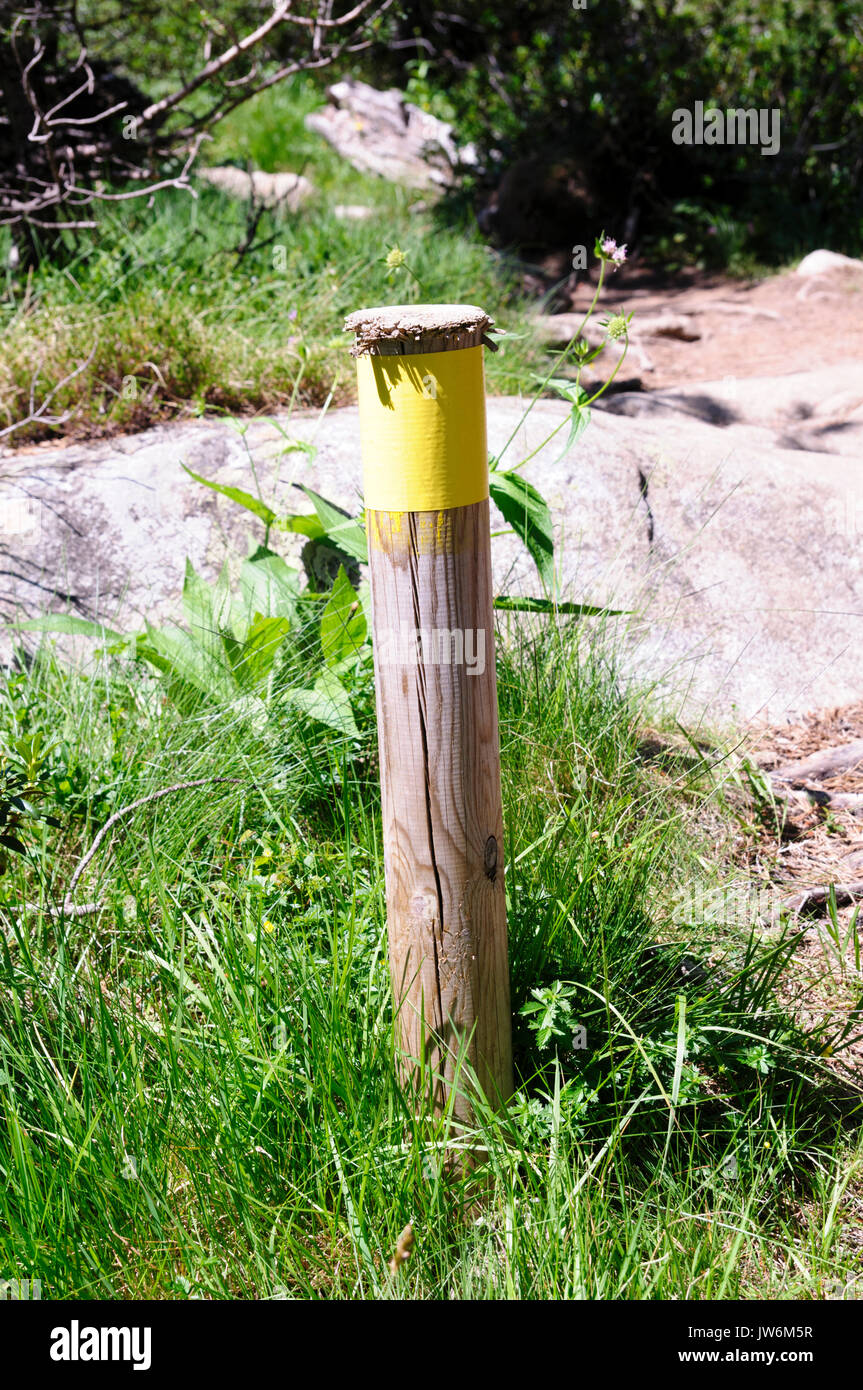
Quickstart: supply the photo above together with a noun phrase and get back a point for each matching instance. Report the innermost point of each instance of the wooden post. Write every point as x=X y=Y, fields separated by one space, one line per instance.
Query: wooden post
x=425 y=467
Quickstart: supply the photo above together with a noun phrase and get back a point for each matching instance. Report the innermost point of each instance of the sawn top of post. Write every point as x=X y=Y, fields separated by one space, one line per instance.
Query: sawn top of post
x=396 y=330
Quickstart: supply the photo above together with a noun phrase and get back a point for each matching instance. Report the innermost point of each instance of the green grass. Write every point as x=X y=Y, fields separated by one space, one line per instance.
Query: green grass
x=198 y=1084
x=164 y=316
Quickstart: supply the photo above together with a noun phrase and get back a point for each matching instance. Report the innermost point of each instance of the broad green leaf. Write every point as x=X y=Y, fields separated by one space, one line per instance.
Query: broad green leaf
x=305 y=523
x=197 y=599
x=65 y=622
x=250 y=661
x=328 y=513
x=177 y=653
x=263 y=640
x=346 y=531
x=185 y=694
x=351 y=538
x=343 y=622
x=565 y=387
x=253 y=709
x=268 y=585
x=233 y=648
x=236 y=494
x=328 y=702
x=516 y=604
x=528 y=514
x=208 y=608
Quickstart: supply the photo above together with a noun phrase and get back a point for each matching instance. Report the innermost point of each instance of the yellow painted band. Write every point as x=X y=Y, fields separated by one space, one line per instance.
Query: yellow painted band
x=422 y=430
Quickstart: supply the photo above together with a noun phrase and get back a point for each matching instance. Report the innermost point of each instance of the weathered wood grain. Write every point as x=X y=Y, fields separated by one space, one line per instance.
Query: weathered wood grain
x=440 y=776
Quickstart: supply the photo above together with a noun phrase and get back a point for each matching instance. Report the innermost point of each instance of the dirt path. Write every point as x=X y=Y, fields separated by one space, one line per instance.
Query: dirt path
x=811 y=840
x=787 y=323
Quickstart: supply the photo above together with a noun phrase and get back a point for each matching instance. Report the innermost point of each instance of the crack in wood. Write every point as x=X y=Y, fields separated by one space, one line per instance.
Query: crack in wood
x=421 y=709
x=440 y=780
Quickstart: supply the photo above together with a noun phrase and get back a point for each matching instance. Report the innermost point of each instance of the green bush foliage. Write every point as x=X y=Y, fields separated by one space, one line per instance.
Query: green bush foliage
x=600 y=84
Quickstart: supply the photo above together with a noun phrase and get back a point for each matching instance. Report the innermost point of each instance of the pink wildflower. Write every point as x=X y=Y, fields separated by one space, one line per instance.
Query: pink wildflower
x=614 y=252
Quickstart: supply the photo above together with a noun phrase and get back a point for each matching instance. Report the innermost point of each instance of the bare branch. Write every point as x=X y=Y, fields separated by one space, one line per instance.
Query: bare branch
x=89 y=120
x=211 y=69
x=38 y=413
x=180 y=181
x=61 y=143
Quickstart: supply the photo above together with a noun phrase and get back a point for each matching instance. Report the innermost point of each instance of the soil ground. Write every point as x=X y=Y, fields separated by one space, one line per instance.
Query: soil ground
x=811 y=846
x=781 y=324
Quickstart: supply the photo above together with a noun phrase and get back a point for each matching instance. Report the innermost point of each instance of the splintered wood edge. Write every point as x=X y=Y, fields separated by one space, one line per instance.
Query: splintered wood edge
x=402 y=329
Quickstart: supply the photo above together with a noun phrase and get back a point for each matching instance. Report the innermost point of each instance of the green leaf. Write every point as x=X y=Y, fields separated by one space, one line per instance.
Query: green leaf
x=328 y=513
x=64 y=622
x=516 y=604
x=264 y=638
x=306 y=523
x=236 y=494
x=268 y=585
x=562 y=386
x=528 y=514
x=351 y=538
x=250 y=661
x=12 y=843
x=343 y=622
x=252 y=708
x=328 y=702
x=579 y=418
x=178 y=654
x=346 y=531
x=197 y=599
x=302 y=446
x=207 y=608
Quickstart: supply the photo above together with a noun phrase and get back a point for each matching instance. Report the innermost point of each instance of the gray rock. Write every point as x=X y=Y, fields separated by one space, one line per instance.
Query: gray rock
x=383 y=133
x=740 y=562
x=820 y=412
x=273 y=190
x=823 y=262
